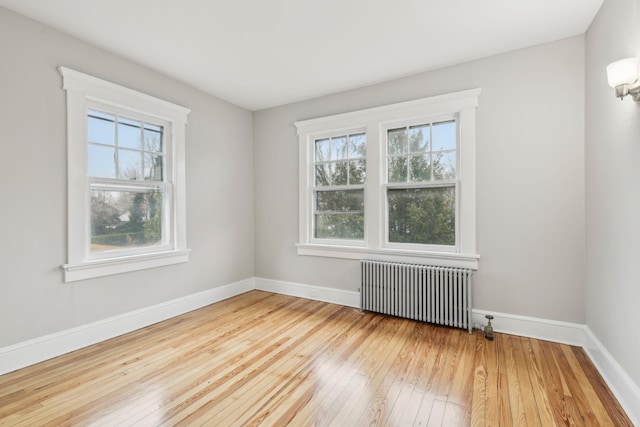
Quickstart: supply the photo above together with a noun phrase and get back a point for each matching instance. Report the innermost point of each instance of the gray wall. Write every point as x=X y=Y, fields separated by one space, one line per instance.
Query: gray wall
x=34 y=301
x=530 y=183
x=613 y=190
x=530 y=179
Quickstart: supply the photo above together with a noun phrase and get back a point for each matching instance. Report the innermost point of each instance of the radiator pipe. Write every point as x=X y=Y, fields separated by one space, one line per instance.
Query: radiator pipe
x=488 y=330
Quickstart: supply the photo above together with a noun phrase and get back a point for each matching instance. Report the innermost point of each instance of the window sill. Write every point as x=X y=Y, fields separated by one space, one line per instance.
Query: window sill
x=107 y=267
x=442 y=259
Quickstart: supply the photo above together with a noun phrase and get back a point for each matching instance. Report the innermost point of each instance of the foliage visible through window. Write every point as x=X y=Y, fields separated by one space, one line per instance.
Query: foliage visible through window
x=421 y=199
x=422 y=215
x=340 y=173
x=126 y=168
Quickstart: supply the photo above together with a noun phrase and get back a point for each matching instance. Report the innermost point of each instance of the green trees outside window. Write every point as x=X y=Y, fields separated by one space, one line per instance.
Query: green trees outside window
x=422 y=157
x=121 y=219
x=340 y=175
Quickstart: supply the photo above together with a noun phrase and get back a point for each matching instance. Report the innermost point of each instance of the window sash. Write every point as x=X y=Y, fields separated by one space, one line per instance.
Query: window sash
x=128 y=241
x=147 y=123
x=429 y=154
x=144 y=187
x=426 y=247
x=348 y=213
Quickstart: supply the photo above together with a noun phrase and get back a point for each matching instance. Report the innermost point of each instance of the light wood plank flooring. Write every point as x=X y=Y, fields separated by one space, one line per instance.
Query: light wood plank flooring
x=274 y=360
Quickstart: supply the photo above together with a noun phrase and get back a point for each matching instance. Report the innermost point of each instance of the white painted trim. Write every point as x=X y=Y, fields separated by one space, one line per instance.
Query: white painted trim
x=49 y=346
x=97 y=268
x=620 y=383
x=83 y=91
x=122 y=96
x=39 y=349
x=318 y=293
x=460 y=106
x=441 y=259
x=432 y=105
x=533 y=327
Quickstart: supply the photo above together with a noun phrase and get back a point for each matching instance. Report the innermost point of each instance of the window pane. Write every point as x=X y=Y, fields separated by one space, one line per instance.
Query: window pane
x=340 y=173
x=357 y=146
x=397 y=141
x=340 y=201
x=125 y=219
x=323 y=174
x=339 y=226
x=100 y=128
x=129 y=134
x=357 y=172
x=397 y=167
x=444 y=136
x=152 y=167
x=339 y=148
x=101 y=115
x=419 y=139
x=420 y=168
x=152 y=140
x=101 y=162
x=423 y=215
x=444 y=165
x=323 y=149
x=130 y=164
x=155 y=128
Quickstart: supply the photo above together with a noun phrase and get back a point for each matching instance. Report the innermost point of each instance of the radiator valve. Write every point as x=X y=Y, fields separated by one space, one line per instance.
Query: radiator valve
x=488 y=330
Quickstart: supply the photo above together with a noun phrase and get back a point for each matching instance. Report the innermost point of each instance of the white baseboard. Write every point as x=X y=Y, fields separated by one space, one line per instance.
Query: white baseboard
x=533 y=327
x=318 y=293
x=37 y=350
x=619 y=382
x=622 y=386
x=40 y=349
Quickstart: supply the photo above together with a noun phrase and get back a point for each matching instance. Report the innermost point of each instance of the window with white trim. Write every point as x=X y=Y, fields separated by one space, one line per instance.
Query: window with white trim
x=396 y=182
x=126 y=201
x=338 y=193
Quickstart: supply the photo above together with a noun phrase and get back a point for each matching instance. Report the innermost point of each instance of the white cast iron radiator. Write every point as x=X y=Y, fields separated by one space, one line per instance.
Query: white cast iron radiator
x=431 y=294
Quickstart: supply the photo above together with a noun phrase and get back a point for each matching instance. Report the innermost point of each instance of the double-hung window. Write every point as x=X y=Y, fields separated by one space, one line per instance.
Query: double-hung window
x=421 y=166
x=395 y=182
x=125 y=179
x=130 y=197
x=338 y=191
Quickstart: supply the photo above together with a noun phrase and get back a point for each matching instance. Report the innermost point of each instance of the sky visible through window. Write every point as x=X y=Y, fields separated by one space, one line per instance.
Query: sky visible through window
x=122 y=148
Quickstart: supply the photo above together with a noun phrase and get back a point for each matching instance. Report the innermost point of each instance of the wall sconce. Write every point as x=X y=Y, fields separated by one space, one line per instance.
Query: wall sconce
x=623 y=76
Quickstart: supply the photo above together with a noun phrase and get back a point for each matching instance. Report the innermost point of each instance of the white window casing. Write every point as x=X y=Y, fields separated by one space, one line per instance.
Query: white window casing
x=83 y=92
x=459 y=106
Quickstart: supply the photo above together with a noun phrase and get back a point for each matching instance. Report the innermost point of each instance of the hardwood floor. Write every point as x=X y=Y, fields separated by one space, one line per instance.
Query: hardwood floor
x=274 y=360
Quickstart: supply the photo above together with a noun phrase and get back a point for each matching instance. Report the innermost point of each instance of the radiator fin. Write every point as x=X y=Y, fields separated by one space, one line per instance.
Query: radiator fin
x=440 y=295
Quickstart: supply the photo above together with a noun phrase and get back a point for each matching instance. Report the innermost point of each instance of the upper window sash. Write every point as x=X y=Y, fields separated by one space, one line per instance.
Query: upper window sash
x=113 y=128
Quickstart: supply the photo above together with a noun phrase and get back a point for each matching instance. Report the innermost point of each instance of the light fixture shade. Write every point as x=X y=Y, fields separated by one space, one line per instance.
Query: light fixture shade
x=623 y=72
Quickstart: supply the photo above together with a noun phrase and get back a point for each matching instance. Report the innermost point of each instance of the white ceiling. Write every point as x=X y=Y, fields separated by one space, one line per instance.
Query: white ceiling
x=263 y=53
